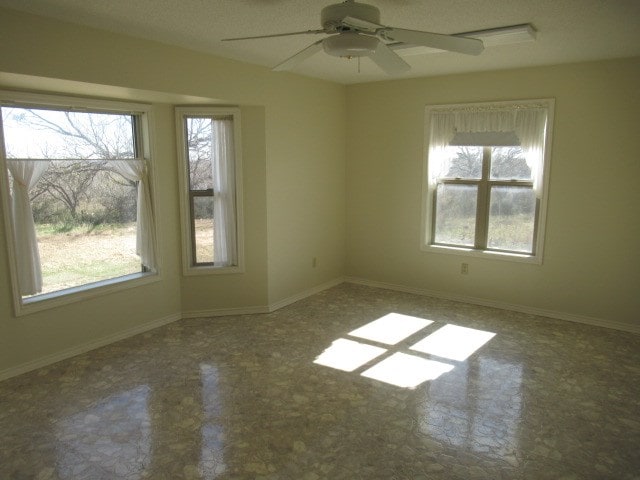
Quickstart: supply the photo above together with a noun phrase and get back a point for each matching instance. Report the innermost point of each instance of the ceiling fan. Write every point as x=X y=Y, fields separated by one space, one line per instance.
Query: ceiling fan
x=354 y=30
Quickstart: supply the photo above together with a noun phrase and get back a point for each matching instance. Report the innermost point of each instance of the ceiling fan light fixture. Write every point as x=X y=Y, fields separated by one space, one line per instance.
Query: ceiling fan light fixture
x=350 y=44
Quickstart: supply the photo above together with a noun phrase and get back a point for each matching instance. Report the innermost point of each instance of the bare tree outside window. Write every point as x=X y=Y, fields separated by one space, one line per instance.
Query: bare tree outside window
x=199 y=133
x=84 y=211
x=466 y=163
x=475 y=173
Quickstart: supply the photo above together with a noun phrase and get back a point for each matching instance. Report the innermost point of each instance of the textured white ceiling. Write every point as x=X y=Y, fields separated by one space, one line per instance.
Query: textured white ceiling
x=568 y=30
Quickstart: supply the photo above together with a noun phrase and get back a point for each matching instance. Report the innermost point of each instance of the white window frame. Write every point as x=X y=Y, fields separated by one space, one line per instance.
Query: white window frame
x=90 y=290
x=428 y=194
x=188 y=267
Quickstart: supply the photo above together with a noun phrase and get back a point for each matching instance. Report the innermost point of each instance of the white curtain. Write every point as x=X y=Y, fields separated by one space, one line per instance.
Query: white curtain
x=224 y=201
x=485 y=127
x=485 y=120
x=531 y=129
x=442 y=132
x=523 y=123
x=26 y=174
x=137 y=171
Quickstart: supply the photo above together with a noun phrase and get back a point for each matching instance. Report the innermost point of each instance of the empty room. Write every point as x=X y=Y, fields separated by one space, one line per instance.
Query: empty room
x=296 y=239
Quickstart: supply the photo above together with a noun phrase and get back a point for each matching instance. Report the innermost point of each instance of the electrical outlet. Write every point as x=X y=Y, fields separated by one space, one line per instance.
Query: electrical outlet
x=464 y=269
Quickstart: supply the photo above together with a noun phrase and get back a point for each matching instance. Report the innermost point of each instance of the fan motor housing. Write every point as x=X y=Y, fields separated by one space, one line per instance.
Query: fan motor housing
x=331 y=16
x=350 y=44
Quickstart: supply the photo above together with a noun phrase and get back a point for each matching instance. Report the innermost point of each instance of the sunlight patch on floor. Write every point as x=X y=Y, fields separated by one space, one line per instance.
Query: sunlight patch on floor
x=348 y=355
x=406 y=371
x=453 y=342
x=391 y=328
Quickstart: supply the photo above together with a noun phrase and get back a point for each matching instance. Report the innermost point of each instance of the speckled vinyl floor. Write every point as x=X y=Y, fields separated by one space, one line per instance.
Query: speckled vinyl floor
x=352 y=383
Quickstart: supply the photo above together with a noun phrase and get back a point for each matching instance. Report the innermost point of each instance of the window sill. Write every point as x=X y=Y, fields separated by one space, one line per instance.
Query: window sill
x=67 y=296
x=209 y=270
x=487 y=254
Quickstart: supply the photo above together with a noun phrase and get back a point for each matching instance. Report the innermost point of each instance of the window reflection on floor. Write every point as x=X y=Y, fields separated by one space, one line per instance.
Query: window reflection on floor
x=477 y=406
x=115 y=434
x=211 y=458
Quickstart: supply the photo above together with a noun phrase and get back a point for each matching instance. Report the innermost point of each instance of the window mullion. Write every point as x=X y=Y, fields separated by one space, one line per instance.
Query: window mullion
x=482 y=212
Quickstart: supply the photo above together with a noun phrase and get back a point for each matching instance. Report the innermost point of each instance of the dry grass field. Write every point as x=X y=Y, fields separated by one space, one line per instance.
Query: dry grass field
x=87 y=254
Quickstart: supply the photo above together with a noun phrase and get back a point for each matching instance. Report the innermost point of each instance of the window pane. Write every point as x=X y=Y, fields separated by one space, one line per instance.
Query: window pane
x=84 y=212
x=199 y=147
x=37 y=133
x=511 y=219
x=203 y=227
x=456 y=214
x=508 y=163
x=85 y=219
x=464 y=162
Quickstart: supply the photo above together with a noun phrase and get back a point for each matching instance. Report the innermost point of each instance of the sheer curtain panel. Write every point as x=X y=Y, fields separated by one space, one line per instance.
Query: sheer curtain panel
x=224 y=203
x=531 y=130
x=137 y=171
x=25 y=174
x=442 y=132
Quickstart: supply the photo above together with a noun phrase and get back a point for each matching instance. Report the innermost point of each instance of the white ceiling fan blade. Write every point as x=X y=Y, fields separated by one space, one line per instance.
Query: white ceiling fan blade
x=470 y=46
x=272 y=36
x=360 y=24
x=388 y=60
x=299 y=57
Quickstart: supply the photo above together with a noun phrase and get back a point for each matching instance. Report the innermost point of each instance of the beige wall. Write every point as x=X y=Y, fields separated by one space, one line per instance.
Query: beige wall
x=294 y=176
x=306 y=195
x=591 y=253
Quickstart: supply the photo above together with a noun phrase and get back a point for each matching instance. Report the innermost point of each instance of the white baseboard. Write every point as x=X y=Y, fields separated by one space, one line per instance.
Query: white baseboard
x=307 y=293
x=85 y=347
x=598 y=322
x=223 y=312
x=272 y=307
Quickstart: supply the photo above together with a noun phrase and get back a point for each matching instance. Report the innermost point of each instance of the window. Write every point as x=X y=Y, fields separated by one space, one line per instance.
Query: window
x=79 y=199
x=486 y=178
x=208 y=142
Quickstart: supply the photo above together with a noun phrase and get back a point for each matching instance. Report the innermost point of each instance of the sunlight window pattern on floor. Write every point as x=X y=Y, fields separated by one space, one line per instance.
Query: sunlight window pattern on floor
x=405 y=370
